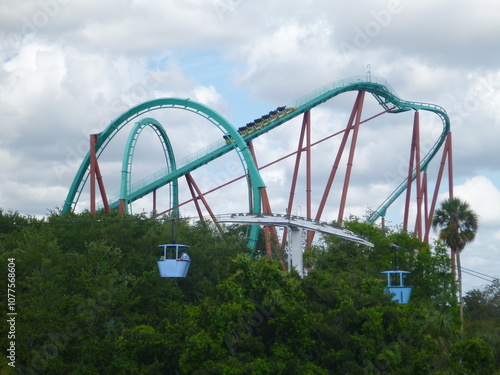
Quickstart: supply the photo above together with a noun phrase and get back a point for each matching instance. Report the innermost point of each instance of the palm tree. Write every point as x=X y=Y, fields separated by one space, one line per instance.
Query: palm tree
x=458 y=223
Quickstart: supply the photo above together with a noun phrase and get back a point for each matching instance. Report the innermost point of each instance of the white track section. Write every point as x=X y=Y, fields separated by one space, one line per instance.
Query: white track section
x=296 y=225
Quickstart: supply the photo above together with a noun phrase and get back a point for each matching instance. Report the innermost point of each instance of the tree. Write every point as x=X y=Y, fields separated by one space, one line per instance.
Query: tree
x=473 y=356
x=482 y=309
x=458 y=223
x=92 y=302
x=357 y=329
x=483 y=304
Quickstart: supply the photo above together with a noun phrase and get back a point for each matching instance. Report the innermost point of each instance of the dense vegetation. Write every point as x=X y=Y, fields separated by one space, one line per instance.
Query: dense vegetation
x=90 y=301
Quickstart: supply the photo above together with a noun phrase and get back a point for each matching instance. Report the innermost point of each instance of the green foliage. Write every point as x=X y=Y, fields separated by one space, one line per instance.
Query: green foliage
x=484 y=304
x=473 y=356
x=90 y=301
x=482 y=310
x=358 y=329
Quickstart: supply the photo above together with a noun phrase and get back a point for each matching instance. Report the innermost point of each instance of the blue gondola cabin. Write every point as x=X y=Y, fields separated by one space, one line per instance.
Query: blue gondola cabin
x=395 y=286
x=174 y=262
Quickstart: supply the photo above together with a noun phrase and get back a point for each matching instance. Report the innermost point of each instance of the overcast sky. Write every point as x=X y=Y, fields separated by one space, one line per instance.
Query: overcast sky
x=70 y=67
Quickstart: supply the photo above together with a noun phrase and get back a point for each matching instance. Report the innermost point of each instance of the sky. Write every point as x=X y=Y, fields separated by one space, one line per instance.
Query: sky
x=68 y=68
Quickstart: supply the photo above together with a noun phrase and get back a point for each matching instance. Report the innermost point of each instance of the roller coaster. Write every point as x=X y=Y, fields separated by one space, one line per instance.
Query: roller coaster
x=239 y=141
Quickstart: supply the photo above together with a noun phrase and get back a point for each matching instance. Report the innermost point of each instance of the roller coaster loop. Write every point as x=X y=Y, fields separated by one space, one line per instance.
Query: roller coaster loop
x=128 y=155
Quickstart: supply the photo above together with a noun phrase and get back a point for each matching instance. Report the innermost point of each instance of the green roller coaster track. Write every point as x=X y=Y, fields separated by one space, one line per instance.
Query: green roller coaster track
x=129 y=155
x=387 y=98
x=237 y=141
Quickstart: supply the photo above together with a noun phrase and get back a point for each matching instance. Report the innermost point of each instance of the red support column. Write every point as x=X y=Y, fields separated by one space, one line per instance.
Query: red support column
x=195 y=197
x=101 y=188
x=95 y=175
x=199 y=194
x=418 y=220
x=426 y=205
x=121 y=208
x=154 y=200
x=297 y=164
x=450 y=165
x=409 y=179
x=305 y=124
x=446 y=155
x=93 y=162
x=343 y=200
x=307 y=119
x=337 y=159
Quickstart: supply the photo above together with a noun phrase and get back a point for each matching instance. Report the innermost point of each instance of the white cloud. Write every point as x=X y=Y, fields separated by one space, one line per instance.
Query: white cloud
x=207 y=95
x=483 y=197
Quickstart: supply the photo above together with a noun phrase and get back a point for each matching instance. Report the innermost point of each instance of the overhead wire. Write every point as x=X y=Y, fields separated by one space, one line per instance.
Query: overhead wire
x=476 y=274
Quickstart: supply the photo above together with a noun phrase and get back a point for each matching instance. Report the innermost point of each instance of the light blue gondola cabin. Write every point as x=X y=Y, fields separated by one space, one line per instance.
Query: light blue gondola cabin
x=395 y=286
x=169 y=264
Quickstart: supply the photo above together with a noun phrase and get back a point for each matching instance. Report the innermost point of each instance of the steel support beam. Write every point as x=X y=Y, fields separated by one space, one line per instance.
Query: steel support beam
x=307 y=119
x=95 y=176
x=350 y=161
x=336 y=163
x=100 y=183
x=93 y=162
x=305 y=124
x=193 y=187
x=413 y=161
x=447 y=155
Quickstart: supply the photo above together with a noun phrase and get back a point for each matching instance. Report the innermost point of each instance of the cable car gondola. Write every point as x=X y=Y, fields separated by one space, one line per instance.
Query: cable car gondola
x=396 y=281
x=175 y=262
x=396 y=286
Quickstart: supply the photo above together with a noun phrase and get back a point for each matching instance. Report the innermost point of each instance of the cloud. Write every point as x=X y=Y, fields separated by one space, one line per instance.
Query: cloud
x=483 y=197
